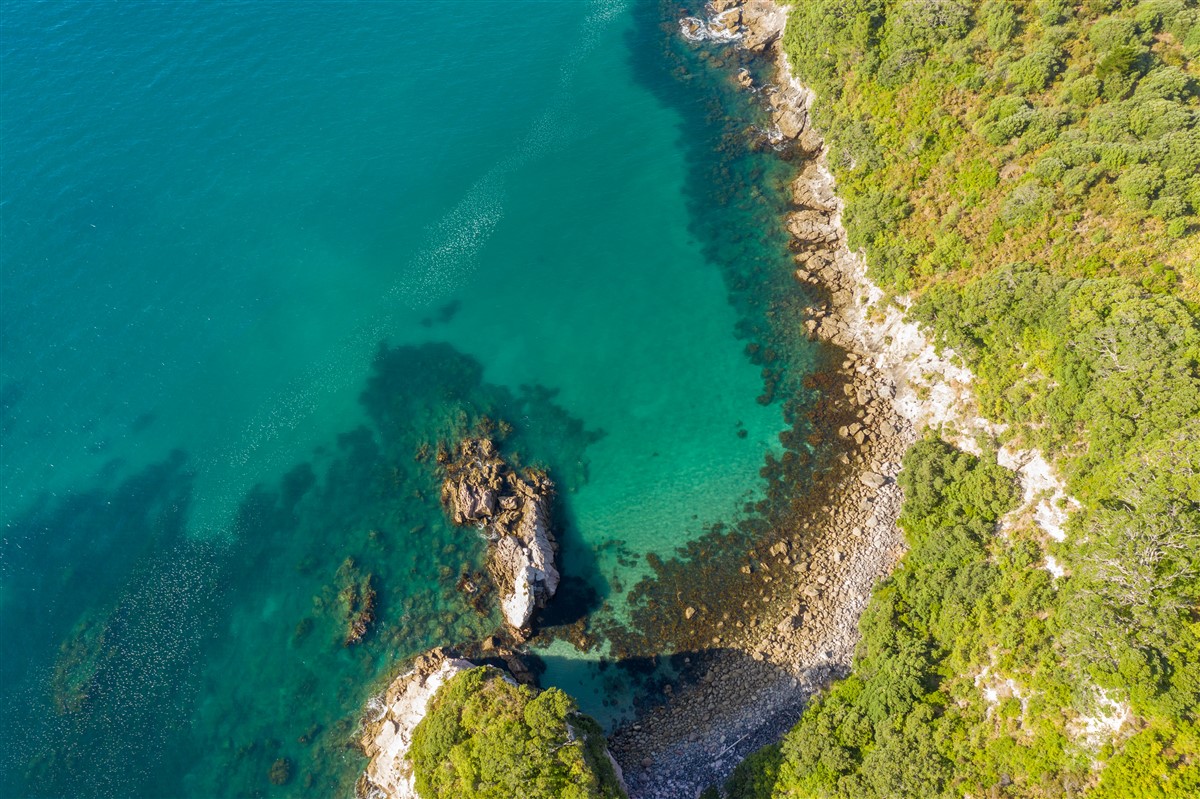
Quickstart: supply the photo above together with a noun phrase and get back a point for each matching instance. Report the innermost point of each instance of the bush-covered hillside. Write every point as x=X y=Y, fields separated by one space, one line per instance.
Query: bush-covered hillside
x=1030 y=172
x=978 y=671
x=486 y=738
x=966 y=135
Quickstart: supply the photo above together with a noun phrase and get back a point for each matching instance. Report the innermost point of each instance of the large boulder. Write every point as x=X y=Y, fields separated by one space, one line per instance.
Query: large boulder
x=763 y=22
x=513 y=510
x=813 y=226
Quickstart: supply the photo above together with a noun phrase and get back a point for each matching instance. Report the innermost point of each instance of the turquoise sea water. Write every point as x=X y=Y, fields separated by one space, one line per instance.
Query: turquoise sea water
x=256 y=257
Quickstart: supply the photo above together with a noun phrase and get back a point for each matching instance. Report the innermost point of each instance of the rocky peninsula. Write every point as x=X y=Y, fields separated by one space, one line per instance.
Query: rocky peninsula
x=513 y=512
x=475 y=721
x=390 y=721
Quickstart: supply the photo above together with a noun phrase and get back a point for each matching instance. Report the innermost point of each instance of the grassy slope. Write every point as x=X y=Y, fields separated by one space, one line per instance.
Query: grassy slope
x=1031 y=172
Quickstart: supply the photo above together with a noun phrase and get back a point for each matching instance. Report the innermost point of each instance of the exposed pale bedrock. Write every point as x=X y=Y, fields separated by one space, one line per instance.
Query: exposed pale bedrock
x=391 y=720
x=513 y=511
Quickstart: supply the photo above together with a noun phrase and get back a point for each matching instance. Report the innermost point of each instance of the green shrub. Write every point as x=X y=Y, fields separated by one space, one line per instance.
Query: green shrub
x=1042 y=129
x=756 y=776
x=1110 y=33
x=1026 y=204
x=1034 y=71
x=1005 y=118
x=1053 y=12
x=872 y=216
x=1170 y=206
x=1002 y=23
x=484 y=737
x=1082 y=92
x=1154 y=764
x=1050 y=169
x=1167 y=83
x=1123 y=61
x=1139 y=184
x=1154 y=15
x=1154 y=118
x=976 y=178
x=922 y=24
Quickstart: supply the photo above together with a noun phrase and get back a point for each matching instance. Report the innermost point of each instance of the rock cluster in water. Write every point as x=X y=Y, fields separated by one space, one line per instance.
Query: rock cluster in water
x=390 y=722
x=356 y=601
x=754 y=24
x=513 y=510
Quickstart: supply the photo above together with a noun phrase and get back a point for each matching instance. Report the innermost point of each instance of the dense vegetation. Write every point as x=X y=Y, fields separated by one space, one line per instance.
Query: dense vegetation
x=966 y=135
x=1030 y=172
x=485 y=737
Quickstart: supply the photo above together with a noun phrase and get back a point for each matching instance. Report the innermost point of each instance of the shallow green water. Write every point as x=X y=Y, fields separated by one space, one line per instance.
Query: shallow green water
x=255 y=256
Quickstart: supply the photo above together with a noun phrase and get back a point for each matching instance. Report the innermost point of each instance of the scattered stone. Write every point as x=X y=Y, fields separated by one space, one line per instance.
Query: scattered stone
x=873 y=480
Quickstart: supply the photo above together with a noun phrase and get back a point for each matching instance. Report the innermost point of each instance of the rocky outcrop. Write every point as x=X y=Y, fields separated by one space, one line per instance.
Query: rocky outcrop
x=724 y=25
x=390 y=722
x=513 y=511
x=757 y=25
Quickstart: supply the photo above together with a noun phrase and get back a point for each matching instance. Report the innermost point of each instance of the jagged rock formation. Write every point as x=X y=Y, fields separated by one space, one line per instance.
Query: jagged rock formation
x=513 y=510
x=391 y=720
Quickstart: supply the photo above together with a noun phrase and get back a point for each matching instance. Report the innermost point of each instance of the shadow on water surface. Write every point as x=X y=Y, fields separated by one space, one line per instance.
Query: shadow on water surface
x=737 y=190
x=106 y=604
x=163 y=666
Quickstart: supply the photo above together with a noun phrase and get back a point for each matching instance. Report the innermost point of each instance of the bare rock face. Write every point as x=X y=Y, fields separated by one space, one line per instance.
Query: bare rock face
x=763 y=21
x=812 y=226
x=810 y=191
x=390 y=722
x=513 y=510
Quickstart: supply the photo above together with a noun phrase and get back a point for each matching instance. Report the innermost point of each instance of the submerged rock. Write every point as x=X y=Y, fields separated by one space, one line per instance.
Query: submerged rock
x=80 y=658
x=513 y=510
x=391 y=720
x=281 y=772
x=356 y=601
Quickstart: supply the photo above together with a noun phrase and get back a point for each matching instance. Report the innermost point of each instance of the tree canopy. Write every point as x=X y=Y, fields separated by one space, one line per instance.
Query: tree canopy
x=485 y=737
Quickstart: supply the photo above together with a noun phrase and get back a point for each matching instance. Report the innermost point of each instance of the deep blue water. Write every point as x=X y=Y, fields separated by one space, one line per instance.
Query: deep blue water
x=255 y=256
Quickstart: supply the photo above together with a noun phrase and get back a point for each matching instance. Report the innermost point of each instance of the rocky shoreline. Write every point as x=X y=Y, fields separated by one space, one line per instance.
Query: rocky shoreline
x=758 y=672
x=893 y=384
x=390 y=721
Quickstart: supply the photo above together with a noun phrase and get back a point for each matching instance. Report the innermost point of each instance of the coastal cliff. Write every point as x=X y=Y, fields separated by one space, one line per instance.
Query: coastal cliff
x=513 y=511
